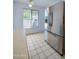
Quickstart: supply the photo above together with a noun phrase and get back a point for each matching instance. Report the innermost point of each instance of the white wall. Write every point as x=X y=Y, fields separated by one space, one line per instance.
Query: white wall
x=57 y=18
x=18 y=18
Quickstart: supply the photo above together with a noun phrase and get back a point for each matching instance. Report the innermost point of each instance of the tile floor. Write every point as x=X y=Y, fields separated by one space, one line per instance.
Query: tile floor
x=39 y=49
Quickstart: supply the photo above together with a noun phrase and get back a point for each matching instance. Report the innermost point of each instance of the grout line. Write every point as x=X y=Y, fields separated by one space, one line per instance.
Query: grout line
x=33 y=43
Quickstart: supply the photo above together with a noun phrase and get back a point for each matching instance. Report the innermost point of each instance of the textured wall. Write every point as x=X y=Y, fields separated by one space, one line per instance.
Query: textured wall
x=18 y=18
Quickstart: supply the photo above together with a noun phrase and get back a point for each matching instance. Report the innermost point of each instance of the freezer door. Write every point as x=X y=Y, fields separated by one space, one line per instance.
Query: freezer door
x=56 y=42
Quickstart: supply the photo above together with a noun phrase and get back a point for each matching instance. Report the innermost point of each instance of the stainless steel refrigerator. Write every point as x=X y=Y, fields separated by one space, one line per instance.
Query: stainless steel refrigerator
x=55 y=31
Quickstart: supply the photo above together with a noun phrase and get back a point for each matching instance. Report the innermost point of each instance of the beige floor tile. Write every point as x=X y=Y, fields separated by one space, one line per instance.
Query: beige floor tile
x=39 y=49
x=51 y=51
x=33 y=52
x=35 y=57
x=42 y=56
x=47 y=53
x=51 y=57
x=57 y=56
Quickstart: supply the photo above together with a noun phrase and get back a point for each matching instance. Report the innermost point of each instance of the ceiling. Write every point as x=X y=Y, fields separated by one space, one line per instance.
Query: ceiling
x=39 y=3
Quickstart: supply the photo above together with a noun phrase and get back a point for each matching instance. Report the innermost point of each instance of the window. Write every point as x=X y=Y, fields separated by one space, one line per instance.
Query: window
x=34 y=18
x=30 y=18
x=27 y=14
